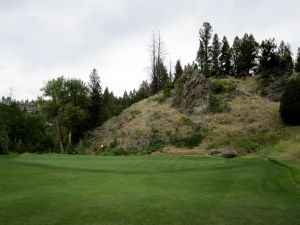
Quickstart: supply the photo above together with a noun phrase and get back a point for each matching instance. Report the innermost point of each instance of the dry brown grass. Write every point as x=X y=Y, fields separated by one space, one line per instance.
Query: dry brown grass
x=142 y=120
x=252 y=123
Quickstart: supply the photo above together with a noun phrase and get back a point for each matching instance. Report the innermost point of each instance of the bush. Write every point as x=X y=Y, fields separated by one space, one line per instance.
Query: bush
x=115 y=151
x=223 y=86
x=191 y=141
x=166 y=92
x=290 y=103
x=216 y=105
x=114 y=143
x=118 y=151
x=81 y=147
x=248 y=141
x=156 y=144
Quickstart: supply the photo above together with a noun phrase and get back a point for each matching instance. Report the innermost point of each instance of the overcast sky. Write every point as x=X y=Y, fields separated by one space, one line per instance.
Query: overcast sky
x=43 y=39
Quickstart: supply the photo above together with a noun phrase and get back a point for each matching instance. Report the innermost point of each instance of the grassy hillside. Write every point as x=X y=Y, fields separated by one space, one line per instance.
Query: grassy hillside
x=249 y=123
x=64 y=189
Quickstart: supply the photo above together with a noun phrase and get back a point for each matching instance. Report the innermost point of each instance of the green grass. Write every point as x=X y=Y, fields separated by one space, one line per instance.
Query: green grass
x=62 y=189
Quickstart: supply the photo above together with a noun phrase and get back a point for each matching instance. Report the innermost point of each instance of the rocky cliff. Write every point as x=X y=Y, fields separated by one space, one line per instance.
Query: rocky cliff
x=193 y=93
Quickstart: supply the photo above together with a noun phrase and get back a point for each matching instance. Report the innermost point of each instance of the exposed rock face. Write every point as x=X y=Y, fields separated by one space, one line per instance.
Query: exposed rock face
x=194 y=93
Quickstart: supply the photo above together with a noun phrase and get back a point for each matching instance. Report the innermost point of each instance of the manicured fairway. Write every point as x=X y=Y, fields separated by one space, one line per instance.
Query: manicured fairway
x=87 y=190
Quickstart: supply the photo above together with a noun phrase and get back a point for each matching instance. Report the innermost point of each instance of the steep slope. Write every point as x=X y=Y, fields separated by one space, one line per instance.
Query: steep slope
x=142 y=124
x=249 y=123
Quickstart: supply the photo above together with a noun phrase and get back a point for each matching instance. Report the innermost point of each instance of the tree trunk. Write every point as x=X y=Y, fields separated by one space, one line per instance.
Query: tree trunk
x=62 y=150
x=70 y=137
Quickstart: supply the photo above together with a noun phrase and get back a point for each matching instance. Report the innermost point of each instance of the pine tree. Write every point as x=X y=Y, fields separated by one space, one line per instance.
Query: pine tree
x=286 y=58
x=290 y=103
x=143 y=92
x=249 y=54
x=96 y=99
x=125 y=100
x=245 y=53
x=236 y=54
x=215 y=55
x=163 y=75
x=106 y=112
x=201 y=55
x=269 y=59
x=111 y=105
x=297 y=64
x=178 y=71
x=205 y=35
x=225 y=58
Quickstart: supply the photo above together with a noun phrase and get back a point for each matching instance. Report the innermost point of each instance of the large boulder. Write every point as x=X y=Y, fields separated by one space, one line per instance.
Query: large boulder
x=193 y=93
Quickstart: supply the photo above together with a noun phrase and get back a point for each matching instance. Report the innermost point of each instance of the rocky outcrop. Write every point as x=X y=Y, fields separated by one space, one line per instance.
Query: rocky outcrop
x=193 y=93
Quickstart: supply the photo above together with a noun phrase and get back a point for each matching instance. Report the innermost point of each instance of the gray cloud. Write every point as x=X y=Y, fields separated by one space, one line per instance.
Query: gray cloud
x=43 y=39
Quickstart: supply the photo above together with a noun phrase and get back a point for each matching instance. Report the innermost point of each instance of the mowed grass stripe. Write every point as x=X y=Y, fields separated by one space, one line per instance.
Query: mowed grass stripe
x=123 y=164
x=46 y=189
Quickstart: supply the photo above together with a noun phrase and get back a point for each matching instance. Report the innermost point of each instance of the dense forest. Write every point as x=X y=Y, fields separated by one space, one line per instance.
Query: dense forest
x=69 y=108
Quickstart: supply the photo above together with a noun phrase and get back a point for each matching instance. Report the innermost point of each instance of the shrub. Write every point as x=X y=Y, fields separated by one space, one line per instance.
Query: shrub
x=290 y=103
x=114 y=143
x=70 y=149
x=186 y=120
x=167 y=92
x=156 y=144
x=194 y=140
x=223 y=86
x=191 y=141
x=249 y=141
x=118 y=151
x=81 y=147
x=3 y=142
x=216 y=105
x=115 y=151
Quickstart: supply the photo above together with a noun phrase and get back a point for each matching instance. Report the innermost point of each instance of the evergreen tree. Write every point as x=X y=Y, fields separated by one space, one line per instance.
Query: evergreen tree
x=236 y=54
x=96 y=99
x=107 y=101
x=215 y=55
x=22 y=131
x=178 y=71
x=269 y=59
x=113 y=106
x=290 y=103
x=171 y=75
x=205 y=35
x=225 y=58
x=297 y=64
x=144 y=91
x=125 y=100
x=245 y=53
x=163 y=75
x=249 y=53
x=286 y=58
x=132 y=95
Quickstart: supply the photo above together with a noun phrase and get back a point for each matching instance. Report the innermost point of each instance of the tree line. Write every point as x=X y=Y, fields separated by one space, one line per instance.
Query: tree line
x=69 y=108
x=215 y=57
x=66 y=111
x=245 y=57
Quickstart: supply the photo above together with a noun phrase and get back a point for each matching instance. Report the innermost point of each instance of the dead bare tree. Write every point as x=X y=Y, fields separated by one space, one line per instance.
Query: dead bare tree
x=158 y=70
